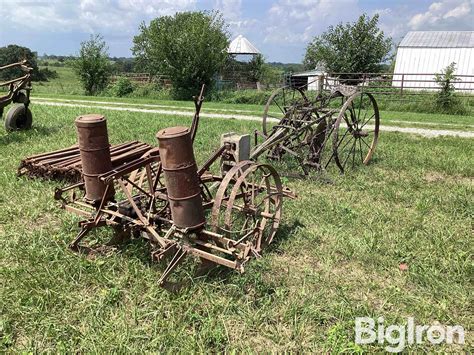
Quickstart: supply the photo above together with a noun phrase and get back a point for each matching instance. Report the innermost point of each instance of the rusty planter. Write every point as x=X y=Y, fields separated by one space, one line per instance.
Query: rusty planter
x=182 y=181
x=95 y=154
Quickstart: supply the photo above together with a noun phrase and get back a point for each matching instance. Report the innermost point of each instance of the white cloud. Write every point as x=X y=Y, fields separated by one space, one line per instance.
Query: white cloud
x=231 y=9
x=232 y=12
x=443 y=15
x=460 y=11
x=298 y=21
x=105 y=16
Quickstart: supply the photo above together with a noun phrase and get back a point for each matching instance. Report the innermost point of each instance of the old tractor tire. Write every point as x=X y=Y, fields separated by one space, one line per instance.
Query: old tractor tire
x=18 y=118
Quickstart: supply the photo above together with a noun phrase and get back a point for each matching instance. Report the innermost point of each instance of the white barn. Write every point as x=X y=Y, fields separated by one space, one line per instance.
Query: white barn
x=429 y=52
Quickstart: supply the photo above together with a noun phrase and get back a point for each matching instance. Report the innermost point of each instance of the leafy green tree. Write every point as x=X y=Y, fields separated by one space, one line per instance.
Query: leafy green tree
x=359 y=47
x=256 y=67
x=446 y=99
x=93 y=66
x=189 y=47
x=13 y=54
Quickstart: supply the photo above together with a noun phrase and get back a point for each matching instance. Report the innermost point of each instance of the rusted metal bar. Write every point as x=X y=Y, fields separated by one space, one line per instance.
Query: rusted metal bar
x=197 y=103
x=65 y=164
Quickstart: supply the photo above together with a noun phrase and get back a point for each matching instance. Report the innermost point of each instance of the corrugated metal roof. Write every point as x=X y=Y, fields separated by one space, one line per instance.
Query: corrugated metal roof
x=314 y=72
x=241 y=45
x=438 y=39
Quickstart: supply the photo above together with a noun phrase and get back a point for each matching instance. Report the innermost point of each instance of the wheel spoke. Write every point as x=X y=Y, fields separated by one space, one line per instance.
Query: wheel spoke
x=348 y=155
x=360 y=106
x=367 y=121
x=362 y=139
x=282 y=110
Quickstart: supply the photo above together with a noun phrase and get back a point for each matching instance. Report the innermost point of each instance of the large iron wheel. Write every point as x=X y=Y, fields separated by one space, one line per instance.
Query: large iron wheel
x=356 y=131
x=248 y=205
x=279 y=103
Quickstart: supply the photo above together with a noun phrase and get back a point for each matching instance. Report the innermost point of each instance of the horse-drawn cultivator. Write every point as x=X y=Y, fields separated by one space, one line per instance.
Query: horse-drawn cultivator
x=225 y=218
x=19 y=115
x=179 y=208
x=341 y=127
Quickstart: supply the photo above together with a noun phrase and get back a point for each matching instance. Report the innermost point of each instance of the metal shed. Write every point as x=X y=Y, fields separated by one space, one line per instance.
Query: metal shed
x=421 y=54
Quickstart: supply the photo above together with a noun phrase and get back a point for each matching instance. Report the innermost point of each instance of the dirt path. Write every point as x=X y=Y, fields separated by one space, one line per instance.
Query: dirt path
x=430 y=133
x=121 y=103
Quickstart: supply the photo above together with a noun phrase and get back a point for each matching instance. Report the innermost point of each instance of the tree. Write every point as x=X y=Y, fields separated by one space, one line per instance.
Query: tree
x=446 y=99
x=359 y=47
x=93 y=66
x=256 y=67
x=13 y=54
x=189 y=47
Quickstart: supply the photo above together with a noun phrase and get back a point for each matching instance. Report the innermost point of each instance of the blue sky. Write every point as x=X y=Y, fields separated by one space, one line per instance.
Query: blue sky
x=280 y=29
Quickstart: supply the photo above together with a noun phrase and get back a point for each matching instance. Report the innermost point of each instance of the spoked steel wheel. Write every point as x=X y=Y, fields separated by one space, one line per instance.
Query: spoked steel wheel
x=279 y=103
x=356 y=131
x=248 y=204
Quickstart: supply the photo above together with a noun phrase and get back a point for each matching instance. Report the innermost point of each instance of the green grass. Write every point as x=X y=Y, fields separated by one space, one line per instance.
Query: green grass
x=389 y=118
x=67 y=86
x=67 y=83
x=336 y=256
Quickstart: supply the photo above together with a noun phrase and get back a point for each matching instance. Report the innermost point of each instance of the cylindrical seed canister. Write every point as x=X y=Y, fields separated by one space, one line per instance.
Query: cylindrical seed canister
x=95 y=154
x=181 y=178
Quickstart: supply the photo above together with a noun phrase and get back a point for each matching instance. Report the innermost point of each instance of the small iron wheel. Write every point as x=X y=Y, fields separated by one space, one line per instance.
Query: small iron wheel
x=248 y=205
x=356 y=131
x=18 y=117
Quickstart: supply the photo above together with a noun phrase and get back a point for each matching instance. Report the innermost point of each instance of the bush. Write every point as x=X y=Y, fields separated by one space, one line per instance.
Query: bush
x=48 y=73
x=92 y=66
x=122 y=87
x=253 y=97
x=446 y=99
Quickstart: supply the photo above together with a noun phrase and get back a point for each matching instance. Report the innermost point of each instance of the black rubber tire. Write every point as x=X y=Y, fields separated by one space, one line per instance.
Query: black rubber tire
x=18 y=119
x=1 y=112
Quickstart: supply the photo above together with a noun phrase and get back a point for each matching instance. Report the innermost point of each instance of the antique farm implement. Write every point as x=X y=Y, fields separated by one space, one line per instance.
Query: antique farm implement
x=341 y=126
x=19 y=115
x=225 y=218
x=65 y=164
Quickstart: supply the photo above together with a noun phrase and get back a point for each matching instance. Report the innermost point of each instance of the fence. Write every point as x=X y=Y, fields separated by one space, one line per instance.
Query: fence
x=395 y=84
x=137 y=78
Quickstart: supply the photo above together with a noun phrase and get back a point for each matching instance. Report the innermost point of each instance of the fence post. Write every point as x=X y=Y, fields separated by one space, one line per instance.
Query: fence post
x=320 y=84
x=401 y=86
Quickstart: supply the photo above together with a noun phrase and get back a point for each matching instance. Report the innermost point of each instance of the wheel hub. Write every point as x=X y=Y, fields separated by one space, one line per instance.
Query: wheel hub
x=359 y=133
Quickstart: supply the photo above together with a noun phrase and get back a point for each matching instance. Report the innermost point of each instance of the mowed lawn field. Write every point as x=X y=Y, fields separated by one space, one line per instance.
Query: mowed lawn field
x=335 y=257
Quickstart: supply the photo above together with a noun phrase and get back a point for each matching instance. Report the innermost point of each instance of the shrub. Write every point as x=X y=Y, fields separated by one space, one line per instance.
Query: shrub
x=152 y=91
x=122 y=87
x=446 y=99
x=253 y=97
x=48 y=73
x=92 y=66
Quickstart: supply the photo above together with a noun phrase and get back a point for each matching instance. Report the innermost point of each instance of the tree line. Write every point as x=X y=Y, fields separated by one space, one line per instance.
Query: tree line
x=191 y=49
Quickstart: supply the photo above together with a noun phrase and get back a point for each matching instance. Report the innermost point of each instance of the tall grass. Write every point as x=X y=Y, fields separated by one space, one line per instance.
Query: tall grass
x=336 y=256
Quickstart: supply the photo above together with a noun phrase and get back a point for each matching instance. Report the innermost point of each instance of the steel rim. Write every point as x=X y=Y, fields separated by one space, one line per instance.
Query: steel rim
x=356 y=131
x=247 y=208
x=280 y=101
